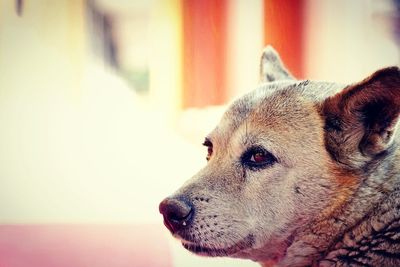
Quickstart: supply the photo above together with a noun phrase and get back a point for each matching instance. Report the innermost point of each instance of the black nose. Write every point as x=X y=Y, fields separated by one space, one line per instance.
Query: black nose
x=177 y=213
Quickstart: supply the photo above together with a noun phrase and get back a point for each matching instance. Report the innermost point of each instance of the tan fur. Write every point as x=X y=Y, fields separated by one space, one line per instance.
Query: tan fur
x=326 y=192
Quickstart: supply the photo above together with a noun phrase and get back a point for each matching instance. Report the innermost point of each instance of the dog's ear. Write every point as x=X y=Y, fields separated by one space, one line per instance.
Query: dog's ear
x=271 y=67
x=360 y=121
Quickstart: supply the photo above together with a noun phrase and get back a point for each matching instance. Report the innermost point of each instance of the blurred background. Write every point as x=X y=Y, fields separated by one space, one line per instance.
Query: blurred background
x=104 y=106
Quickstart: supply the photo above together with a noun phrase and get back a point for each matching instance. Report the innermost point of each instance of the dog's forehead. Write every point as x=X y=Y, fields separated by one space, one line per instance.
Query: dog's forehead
x=274 y=97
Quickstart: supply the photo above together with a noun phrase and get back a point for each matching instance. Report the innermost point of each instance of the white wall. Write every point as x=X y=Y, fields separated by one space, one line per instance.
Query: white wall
x=76 y=145
x=245 y=44
x=347 y=40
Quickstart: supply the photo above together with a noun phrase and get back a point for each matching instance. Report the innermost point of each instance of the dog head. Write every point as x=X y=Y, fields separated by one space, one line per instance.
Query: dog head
x=281 y=156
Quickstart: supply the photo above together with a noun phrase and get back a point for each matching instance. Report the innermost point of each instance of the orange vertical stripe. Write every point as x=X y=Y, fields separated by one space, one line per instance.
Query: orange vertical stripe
x=204 y=37
x=284 y=30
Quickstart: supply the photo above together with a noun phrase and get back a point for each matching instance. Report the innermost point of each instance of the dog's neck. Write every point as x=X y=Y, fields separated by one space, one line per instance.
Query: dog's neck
x=319 y=236
x=267 y=255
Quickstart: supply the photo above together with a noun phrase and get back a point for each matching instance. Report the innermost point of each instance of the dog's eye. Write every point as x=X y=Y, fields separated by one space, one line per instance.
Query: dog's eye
x=257 y=158
x=209 y=146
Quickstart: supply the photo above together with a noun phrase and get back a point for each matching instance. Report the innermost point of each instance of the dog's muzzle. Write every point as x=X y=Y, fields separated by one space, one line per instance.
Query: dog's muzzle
x=177 y=214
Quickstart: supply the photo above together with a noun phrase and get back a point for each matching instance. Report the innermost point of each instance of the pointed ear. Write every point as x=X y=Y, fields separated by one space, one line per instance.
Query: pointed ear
x=271 y=67
x=360 y=121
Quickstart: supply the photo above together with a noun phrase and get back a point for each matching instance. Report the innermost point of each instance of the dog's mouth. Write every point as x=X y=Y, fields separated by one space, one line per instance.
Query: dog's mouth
x=216 y=251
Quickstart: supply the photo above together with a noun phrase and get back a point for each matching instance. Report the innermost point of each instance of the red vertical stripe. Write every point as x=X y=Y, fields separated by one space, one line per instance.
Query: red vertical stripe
x=284 y=30
x=204 y=37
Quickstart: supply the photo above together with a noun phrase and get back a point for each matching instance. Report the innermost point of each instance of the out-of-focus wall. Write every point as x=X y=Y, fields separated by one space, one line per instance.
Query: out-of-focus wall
x=348 y=40
x=42 y=68
x=46 y=44
x=76 y=143
x=245 y=43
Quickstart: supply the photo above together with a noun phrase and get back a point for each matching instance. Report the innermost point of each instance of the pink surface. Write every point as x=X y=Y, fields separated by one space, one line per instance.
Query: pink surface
x=83 y=245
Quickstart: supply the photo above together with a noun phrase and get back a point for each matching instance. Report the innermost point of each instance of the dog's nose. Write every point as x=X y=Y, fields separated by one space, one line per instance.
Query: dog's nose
x=177 y=213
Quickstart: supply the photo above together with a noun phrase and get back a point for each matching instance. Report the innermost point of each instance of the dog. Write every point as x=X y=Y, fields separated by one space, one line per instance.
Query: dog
x=299 y=173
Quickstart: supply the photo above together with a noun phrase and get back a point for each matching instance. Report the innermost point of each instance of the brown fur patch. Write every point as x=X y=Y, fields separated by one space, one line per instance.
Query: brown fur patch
x=347 y=183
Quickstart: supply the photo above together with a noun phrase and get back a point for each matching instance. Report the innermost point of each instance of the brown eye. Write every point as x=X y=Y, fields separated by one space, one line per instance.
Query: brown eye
x=257 y=158
x=209 y=146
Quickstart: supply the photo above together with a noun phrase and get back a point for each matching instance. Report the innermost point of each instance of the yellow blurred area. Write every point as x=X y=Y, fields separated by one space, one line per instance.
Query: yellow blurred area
x=77 y=144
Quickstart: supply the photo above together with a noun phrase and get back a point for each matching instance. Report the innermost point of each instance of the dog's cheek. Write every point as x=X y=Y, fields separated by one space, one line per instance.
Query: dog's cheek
x=272 y=207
